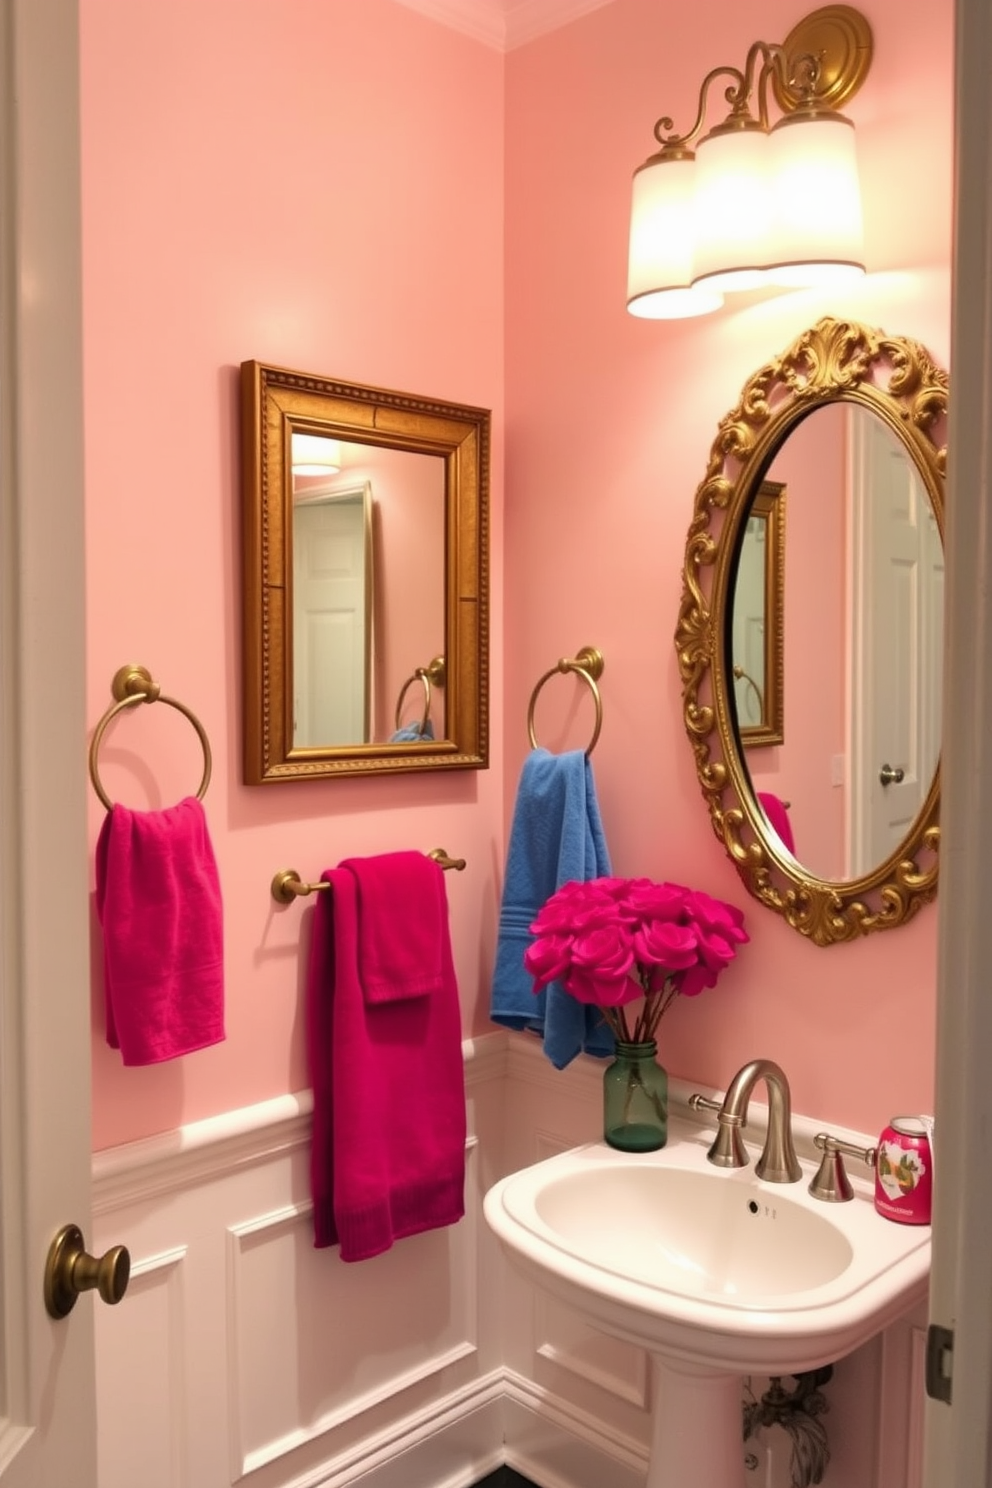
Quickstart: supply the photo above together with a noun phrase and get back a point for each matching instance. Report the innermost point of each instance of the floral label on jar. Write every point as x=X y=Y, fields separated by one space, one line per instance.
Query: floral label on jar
x=904 y=1172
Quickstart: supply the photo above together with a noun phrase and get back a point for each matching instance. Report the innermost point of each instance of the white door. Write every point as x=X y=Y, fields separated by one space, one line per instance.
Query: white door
x=331 y=619
x=897 y=636
x=958 y=1434
x=47 y=1404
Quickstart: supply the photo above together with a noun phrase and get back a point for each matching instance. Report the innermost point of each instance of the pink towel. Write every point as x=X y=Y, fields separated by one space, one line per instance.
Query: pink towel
x=388 y=1155
x=402 y=925
x=158 y=901
x=778 y=818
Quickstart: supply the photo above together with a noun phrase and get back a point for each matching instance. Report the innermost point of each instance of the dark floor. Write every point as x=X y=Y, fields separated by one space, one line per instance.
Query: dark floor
x=505 y=1477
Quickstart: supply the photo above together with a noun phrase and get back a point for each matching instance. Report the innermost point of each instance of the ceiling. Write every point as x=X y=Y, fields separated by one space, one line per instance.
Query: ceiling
x=504 y=24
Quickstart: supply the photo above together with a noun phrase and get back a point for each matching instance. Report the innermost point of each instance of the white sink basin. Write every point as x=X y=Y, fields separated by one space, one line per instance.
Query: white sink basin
x=708 y=1267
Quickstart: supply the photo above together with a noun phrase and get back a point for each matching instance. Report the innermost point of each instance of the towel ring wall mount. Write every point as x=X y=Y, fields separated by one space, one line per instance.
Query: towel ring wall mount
x=588 y=664
x=433 y=675
x=287 y=884
x=132 y=685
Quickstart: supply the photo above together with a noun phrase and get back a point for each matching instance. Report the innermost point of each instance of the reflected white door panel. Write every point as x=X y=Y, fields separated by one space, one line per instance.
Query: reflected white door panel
x=332 y=641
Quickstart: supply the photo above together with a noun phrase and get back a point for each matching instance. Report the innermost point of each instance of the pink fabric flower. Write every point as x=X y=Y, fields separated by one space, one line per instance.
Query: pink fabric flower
x=694 y=980
x=713 y=914
x=574 y=905
x=655 y=901
x=602 y=961
x=660 y=944
x=606 y=948
x=547 y=959
x=590 y=986
x=612 y=941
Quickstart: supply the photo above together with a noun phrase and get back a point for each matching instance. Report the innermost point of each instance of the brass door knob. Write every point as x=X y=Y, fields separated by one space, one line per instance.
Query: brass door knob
x=69 y=1270
x=891 y=774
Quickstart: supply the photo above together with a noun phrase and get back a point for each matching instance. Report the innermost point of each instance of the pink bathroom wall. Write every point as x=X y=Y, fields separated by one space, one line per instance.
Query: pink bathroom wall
x=317 y=184
x=609 y=424
x=411 y=595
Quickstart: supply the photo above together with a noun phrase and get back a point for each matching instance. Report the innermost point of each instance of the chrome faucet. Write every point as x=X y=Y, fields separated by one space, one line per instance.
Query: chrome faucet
x=778 y=1162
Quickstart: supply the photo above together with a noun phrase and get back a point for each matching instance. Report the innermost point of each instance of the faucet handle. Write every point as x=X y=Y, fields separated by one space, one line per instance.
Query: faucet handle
x=699 y=1102
x=727 y=1150
x=830 y=1181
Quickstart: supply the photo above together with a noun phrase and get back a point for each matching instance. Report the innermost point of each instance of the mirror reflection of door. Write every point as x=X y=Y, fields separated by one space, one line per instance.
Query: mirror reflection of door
x=332 y=617
x=368 y=586
x=862 y=643
x=897 y=642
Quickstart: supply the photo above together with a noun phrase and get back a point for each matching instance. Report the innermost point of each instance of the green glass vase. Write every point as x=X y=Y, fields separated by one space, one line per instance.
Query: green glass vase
x=635 y=1099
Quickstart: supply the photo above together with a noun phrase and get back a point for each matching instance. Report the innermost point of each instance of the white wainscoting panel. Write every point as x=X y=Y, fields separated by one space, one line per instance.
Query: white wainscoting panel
x=348 y=1337
x=241 y=1355
x=149 y=1444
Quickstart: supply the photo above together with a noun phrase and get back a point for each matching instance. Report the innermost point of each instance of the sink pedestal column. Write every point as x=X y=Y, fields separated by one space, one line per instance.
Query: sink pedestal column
x=697 y=1439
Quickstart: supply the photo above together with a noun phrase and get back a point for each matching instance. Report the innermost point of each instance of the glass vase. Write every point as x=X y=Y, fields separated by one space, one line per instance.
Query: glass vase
x=635 y=1099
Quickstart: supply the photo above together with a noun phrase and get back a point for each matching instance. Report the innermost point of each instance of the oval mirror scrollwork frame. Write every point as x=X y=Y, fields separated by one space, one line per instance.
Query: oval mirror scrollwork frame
x=898 y=380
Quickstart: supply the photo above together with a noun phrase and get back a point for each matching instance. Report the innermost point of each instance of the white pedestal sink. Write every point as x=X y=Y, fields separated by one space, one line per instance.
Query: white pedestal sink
x=715 y=1272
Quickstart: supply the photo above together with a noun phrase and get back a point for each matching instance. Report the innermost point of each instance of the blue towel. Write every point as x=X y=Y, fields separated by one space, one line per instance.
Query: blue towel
x=556 y=838
x=412 y=733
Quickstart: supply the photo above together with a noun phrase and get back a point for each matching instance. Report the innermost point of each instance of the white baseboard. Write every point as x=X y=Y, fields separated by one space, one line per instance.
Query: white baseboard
x=453 y=1443
x=502 y=1419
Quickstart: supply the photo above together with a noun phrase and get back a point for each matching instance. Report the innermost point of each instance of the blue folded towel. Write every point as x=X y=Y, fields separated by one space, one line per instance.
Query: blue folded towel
x=556 y=837
x=412 y=733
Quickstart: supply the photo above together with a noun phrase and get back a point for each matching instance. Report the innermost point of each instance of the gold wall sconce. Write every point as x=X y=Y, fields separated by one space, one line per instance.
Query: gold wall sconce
x=756 y=203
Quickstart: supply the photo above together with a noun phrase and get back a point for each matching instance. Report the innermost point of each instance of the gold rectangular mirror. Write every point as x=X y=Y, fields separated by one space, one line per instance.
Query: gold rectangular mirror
x=758 y=620
x=366 y=586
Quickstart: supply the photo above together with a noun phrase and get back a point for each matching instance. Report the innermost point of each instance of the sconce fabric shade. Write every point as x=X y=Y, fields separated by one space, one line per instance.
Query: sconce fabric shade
x=732 y=209
x=756 y=204
x=660 y=260
x=817 y=228
x=313 y=454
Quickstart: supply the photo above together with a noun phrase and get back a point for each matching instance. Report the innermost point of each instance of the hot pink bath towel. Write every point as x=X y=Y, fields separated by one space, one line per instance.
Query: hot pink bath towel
x=388 y=1156
x=159 y=905
x=778 y=817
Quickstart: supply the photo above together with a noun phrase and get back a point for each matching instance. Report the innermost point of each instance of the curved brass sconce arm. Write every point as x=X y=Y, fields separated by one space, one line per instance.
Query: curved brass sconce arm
x=821 y=64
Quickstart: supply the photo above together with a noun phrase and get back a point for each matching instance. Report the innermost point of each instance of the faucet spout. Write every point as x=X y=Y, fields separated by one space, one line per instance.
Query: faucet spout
x=778 y=1162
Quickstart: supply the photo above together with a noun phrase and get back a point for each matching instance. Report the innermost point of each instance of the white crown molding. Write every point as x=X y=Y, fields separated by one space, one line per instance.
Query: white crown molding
x=503 y=24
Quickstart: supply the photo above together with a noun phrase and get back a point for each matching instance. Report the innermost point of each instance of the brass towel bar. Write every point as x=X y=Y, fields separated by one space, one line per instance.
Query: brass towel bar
x=288 y=885
x=587 y=664
x=432 y=675
x=132 y=685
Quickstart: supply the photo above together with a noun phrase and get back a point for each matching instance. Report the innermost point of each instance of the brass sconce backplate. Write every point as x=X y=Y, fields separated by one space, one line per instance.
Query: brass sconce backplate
x=839 y=39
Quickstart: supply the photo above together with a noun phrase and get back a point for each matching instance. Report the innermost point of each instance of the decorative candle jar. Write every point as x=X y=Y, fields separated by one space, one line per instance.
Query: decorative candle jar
x=904 y=1171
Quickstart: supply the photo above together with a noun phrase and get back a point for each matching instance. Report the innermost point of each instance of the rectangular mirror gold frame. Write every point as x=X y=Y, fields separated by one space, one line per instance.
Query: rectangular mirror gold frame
x=760 y=687
x=276 y=404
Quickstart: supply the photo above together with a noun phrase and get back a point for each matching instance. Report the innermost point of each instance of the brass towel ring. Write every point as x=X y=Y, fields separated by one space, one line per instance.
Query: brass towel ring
x=133 y=685
x=428 y=675
x=587 y=664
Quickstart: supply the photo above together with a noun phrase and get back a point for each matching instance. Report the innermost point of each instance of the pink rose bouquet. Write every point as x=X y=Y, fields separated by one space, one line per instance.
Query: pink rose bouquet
x=614 y=941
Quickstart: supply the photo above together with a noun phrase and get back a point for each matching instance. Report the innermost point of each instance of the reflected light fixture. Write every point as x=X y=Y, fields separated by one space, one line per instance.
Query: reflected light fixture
x=315 y=454
x=756 y=203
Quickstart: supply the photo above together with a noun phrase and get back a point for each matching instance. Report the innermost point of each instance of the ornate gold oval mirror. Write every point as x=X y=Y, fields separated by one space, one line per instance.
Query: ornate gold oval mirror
x=835 y=828
x=365 y=579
